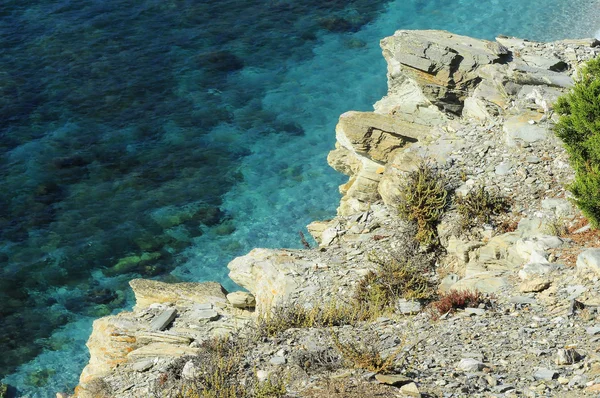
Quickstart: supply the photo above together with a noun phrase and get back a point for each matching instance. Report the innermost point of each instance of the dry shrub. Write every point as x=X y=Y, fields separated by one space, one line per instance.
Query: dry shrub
x=455 y=299
x=478 y=207
x=394 y=279
x=366 y=353
x=557 y=226
x=322 y=360
x=221 y=372
x=293 y=315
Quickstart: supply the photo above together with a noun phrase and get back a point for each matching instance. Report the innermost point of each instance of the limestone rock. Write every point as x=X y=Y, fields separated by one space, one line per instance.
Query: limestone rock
x=485 y=282
x=111 y=339
x=268 y=274
x=190 y=371
x=393 y=379
x=410 y=390
x=441 y=64
x=566 y=356
x=241 y=300
x=149 y=292
x=544 y=374
x=344 y=160
x=365 y=142
x=408 y=307
x=376 y=136
x=470 y=365
x=162 y=320
x=534 y=270
x=589 y=260
x=520 y=132
x=534 y=285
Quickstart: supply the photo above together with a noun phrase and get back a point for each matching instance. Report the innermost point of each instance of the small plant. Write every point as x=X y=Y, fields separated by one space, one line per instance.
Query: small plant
x=326 y=359
x=455 y=299
x=393 y=280
x=287 y=316
x=220 y=373
x=423 y=200
x=366 y=355
x=478 y=207
x=557 y=226
x=579 y=129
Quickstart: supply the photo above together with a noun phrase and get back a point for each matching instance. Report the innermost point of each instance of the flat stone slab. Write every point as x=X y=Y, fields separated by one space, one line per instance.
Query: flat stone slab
x=545 y=374
x=142 y=366
x=393 y=380
x=164 y=319
x=593 y=331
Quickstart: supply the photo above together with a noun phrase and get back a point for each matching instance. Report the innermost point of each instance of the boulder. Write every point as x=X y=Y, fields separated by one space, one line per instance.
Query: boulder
x=270 y=275
x=241 y=300
x=534 y=285
x=535 y=270
x=376 y=136
x=442 y=65
x=366 y=141
x=485 y=282
x=111 y=339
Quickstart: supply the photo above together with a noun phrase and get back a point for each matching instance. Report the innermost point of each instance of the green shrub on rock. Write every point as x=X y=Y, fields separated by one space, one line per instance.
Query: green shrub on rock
x=579 y=129
x=478 y=207
x=423 y=200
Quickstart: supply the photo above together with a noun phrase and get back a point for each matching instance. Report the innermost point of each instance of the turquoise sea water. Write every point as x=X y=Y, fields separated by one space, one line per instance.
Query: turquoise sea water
x=163 y=138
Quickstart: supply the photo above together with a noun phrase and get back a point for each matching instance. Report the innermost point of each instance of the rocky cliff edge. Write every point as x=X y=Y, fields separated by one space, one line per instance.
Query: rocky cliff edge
x=481 y=111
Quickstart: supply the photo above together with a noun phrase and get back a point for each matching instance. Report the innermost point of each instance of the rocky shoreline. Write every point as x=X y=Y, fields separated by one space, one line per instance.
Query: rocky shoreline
x=481 y=111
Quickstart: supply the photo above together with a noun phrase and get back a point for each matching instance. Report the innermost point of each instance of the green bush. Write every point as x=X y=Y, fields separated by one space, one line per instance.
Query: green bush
x=478 y=207
x=579 y=129
x=423 y=200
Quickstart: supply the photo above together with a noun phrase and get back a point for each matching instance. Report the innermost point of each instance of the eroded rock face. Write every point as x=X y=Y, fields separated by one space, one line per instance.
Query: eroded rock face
x=268 y=274
x=168 y=321
x=366 y=141
x=443 y=65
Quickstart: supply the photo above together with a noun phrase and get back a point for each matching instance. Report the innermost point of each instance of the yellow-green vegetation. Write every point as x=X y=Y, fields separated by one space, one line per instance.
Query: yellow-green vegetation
x=288 y=316
x=557 y=226
x=579 y=129
x=220 y=373
x=394 y=279
x=366 y=355
x=423 y=200
x=478 y=207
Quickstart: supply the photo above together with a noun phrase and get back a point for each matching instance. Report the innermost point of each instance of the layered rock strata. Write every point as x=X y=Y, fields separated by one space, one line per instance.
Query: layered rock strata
x=482 y=112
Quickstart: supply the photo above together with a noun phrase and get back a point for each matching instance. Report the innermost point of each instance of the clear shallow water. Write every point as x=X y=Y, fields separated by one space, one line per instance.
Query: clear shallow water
x=162 y=139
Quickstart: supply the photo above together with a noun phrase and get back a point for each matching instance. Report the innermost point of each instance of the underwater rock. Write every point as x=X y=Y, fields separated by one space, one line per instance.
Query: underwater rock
x=130 y=263
x=221 y=61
